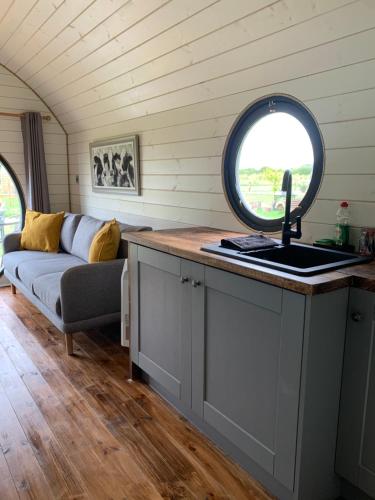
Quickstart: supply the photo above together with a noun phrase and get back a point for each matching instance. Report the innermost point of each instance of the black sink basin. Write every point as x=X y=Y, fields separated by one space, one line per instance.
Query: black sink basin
x=303 y=260
x=302 y=257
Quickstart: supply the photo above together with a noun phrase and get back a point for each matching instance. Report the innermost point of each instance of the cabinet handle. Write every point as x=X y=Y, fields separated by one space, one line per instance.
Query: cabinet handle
x=195 y=283
x=184 y=279
x=356 y=316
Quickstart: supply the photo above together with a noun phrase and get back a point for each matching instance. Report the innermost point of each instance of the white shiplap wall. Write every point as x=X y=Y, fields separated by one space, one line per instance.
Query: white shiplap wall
x=16 y=97
x=177 y=72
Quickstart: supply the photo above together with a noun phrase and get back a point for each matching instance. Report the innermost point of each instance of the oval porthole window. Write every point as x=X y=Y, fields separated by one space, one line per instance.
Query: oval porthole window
x=12 y=205
x=274 y=134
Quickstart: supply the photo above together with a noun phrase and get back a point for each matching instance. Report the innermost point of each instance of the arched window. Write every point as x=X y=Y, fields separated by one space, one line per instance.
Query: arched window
x=274 y=134
x=12 y=204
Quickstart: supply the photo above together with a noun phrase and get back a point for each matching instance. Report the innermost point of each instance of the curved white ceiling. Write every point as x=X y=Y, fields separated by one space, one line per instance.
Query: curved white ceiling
x=103 y=61
x=81 y=56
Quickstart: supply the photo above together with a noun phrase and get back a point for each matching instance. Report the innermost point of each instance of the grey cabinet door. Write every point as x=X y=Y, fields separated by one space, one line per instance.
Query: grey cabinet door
x=161 y=319
x=246 y=364
x=355 y=460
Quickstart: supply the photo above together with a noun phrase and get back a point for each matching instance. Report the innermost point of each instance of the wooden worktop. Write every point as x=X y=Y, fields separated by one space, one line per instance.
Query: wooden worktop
x=187 y=243
x=362 y=276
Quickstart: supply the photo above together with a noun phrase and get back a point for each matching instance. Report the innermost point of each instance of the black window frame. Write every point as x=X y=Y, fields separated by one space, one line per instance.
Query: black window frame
x=20 y=193
x=253 y=113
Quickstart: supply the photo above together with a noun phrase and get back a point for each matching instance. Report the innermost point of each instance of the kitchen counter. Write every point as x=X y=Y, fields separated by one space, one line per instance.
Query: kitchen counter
x=252 y=356
x=362 y=276
x=187 y=243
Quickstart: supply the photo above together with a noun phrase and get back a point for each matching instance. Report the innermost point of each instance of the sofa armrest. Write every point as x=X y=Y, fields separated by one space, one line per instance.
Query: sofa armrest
x=127 y=228
x=12 y=242
x=91 y=290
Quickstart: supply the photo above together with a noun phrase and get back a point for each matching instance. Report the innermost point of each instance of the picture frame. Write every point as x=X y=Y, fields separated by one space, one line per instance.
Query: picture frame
x=114 y=165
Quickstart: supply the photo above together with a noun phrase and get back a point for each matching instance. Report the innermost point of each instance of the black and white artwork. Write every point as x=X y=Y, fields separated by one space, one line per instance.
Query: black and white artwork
x=115 y=165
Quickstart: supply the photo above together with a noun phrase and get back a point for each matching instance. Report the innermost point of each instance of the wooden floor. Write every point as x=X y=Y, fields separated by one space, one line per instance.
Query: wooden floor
x=74 y=427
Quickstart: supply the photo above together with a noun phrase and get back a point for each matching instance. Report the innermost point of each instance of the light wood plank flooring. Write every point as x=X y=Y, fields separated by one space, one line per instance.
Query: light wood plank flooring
x=75 y=428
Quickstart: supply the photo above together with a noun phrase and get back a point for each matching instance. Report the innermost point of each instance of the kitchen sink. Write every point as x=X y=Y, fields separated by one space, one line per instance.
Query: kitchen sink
x=302 y=260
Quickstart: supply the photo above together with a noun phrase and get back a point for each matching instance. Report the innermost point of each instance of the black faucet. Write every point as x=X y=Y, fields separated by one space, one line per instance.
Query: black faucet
x=287 y=232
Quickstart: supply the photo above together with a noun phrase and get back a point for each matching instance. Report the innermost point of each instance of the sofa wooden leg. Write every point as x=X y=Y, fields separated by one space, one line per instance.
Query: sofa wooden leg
x=14 y=289
x=69 y=343
x=135 y=373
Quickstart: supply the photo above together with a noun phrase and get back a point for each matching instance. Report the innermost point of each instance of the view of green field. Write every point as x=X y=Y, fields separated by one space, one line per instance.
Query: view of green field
x=273 y=144
x=260 y=189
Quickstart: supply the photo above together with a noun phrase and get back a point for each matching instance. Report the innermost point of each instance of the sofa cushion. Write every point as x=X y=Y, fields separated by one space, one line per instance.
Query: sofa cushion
x=12 y=260
x=68 y=231
x=105 y=244
x=47 y=289
x=28 y=271
x=41 y=231
x=87 y=229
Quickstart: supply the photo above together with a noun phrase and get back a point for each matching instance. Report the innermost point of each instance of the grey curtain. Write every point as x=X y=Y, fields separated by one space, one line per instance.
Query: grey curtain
x=35 y=162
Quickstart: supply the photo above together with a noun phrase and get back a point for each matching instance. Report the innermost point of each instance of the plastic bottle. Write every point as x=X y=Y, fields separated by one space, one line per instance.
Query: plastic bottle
x=342 y=224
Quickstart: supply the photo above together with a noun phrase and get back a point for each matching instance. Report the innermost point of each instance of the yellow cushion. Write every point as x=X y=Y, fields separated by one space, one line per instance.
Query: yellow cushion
x=42 y=231
x=105 y=244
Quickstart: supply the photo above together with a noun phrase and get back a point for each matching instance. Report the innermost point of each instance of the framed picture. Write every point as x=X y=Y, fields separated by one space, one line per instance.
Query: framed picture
x=114 y=165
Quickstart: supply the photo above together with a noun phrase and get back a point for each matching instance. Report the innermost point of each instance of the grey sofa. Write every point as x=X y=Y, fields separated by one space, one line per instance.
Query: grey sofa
x=73 y=294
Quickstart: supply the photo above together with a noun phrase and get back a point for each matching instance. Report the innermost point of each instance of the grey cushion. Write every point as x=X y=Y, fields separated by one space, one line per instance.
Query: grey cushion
x=12 y=260
x=68 y=230
x=29 y=270
x=87 y=228
x=47 y=289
